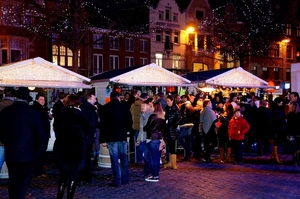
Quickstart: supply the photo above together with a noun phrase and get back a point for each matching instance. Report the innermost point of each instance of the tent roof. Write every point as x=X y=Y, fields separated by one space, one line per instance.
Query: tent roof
x=148 y=75
x=229 y=77
x=38 y=72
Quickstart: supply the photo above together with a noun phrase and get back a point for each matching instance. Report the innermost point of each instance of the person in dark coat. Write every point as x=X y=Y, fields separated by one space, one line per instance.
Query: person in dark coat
x=39 y=105
x=72 y=129
x=89 y=109
x=262 y=118
x=116 y=121
x=278 y=122
x=172 y=118
x=58 y=107
x=22 y=134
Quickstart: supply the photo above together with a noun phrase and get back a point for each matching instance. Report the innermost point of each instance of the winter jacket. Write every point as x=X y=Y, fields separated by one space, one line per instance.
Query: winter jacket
x=186 y=113
x=90 y=112
x=154 y=127
x=72 y=129
x=143 y=121
x=116 y=122
x=21 y=132
x=237 y=128
x=172 y=120
x=135 y=111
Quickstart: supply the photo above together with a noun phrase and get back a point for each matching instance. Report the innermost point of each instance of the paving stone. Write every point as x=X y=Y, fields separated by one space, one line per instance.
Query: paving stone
x=257 y=177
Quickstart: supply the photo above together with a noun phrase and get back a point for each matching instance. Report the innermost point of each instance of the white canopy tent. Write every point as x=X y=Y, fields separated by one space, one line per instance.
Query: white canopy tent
x=237 y=77
x=38 y=72
x=229 y=77
x=148 y=75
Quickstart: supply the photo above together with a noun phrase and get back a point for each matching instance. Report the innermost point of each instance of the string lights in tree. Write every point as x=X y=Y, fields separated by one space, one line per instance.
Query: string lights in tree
x=245 y=28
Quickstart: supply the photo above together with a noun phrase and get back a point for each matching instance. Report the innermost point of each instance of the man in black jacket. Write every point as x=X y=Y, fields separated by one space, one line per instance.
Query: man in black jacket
x=116 y=121
x=90 y=111
x=22 y=134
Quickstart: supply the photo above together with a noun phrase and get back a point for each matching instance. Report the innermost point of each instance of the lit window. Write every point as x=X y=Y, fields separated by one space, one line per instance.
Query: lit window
x=69 y=58
x=288 y=30
x=62 y=56
x=175 y=61
x=276 y=50
x=55 y=54
x=176 y=37
x=199 y=67
x=158 y=57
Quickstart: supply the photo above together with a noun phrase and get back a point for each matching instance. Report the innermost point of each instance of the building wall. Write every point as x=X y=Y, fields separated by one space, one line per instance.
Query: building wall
x=173 y=56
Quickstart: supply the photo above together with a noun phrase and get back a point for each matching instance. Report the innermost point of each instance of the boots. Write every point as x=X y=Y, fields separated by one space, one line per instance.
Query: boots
x=60 y=190
x=169 y=164
x=221 y=155
x=71 y=190
x=275 y=154
x=228 y=158
x=173 y=161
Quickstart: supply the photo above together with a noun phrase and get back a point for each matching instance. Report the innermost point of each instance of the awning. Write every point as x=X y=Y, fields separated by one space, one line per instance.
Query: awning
x=234 y=77
x=148 y=75
x=43 y=84
x=38 y=72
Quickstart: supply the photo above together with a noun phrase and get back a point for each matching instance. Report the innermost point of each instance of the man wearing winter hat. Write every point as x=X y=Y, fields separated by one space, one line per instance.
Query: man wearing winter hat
x=21 y=133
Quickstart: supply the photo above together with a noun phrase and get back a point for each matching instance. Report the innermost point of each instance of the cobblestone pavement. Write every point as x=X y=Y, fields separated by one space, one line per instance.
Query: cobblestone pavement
x=257 y=177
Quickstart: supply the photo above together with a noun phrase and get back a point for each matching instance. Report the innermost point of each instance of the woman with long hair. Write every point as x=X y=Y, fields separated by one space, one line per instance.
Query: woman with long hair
x=224 y=141
x=71 y=129
x=170 y=131
x=278 y=123
x=153 y=128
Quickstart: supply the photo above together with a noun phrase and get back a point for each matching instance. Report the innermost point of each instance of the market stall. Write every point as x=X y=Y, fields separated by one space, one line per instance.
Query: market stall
x=39 y=73
x=232 y=78
x=148 y=75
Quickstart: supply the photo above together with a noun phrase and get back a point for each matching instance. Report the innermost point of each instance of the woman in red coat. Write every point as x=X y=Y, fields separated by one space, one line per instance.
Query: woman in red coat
x=237 y=128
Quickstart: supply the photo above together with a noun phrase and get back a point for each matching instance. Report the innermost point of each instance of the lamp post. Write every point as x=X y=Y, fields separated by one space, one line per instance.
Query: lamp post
x=189 y=46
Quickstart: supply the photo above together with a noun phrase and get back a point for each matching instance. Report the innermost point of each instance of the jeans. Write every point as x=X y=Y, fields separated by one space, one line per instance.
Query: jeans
x=153 y=157
x=184 y=139
x=237 y=150
x=1 y=156
x=139 y=149
x=117 y=150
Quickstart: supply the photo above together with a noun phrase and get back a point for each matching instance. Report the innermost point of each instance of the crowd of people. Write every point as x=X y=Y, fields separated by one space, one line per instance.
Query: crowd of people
x=199 y=124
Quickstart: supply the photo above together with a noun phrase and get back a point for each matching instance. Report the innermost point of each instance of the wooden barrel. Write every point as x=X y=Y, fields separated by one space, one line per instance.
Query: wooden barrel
x=4 y=172
x=104 y=158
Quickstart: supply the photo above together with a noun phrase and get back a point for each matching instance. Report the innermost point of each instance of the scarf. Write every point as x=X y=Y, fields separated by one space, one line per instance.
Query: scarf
x=207 y=117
